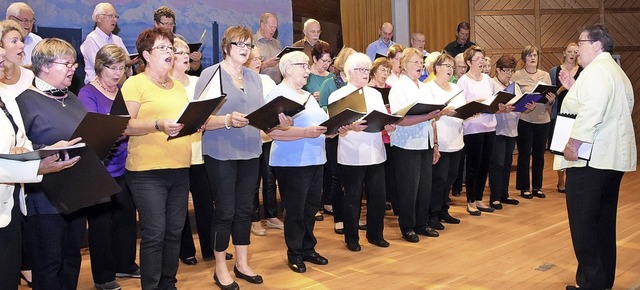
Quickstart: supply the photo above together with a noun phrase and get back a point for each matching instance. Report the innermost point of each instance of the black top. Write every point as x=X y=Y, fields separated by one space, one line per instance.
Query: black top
x=454 y=48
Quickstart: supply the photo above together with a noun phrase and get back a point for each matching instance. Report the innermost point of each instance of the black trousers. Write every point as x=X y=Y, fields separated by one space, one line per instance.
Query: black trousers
x=445 y=173
x=500 y=169
x=334 y=187
x=233 y=184
x=413 y=178
x=457 y=184
x=479 y=148
x=112 y=236
x=592 y=206
x=203 y=208
x=54 y=242
x=300 y=188
x=390 y=178
x=532 y=141
x=269 y=199
x=11 y=247
x=372 y=176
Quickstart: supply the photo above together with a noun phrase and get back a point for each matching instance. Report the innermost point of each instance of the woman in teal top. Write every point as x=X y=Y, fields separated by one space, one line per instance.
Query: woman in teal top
x=322 y=55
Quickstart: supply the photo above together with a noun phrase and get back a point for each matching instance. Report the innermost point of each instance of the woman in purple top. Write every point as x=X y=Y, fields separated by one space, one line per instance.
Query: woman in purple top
x=113 y=248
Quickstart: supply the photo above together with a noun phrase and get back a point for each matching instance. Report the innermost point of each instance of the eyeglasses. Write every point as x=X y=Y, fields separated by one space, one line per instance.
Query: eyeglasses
x=420 y=63
x=73 y=65
x=363 y=70
x=326 y=60
x=167 y=23
x=302 y=64
x=446 y=65
x=120 y=68
x=584 y=40
x=460 y=66
x=384 y=70
x=481 y=59
x=24 y=21
x=256 y=58
x=181 y=52
x=164 y=47
x=507 y=70
x=241 y=44
x=111 y=16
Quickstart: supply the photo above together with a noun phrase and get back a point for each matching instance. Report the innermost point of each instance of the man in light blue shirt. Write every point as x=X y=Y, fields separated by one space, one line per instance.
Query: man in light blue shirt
x=383 y=43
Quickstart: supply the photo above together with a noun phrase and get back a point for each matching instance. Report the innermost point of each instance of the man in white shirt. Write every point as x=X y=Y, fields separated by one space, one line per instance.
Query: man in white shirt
x=23 y=14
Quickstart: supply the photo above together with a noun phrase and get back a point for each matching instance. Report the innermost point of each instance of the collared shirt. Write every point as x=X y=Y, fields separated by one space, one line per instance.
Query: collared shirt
x=450 y=136
x=30 y=42
x=474 y=90
x=506 y=123
x=602 y=99
x=378 y=46
x=89 y=48
x=454 y=48
x=361 y=148
x=269 y=48
x=418 y=136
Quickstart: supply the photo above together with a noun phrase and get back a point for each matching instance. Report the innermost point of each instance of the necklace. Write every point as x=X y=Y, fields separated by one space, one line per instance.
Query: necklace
x=163 y=84
x=58 y=99
x=108 y=90
x=531 y=73
x=232 y=71
x=479 y=78
x=9 y=76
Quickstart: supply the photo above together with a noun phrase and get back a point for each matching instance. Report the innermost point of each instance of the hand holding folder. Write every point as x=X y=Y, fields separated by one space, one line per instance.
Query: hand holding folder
x=266 y=117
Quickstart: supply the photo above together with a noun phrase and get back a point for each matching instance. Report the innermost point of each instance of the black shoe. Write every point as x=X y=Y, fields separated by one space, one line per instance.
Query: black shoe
x=447 y=218
x=362 y=227
x=380 y=243
x=326 y=211
x=473 y=212
x=510 y=201
x=232 y=286
x=429 y=232
x=435 y=224
x=561 y=190
x=319 y=217
x=538 y=193
x=257 y=279
x=191 y=261
x=315 y=258
x=339 y=231
x=387 y=206
x=354 y=247
x=496 y=205
x=411 y=237
x=526 y=194
x=572 y=287
x=455 y=193
x=485 y=209
x=297 y=266
x=22 y=277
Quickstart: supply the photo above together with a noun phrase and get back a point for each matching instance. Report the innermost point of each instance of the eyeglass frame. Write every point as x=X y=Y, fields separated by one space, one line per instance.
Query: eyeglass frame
x=244 y=44
x=123 y=69
x=447 y=65
x=584 y=40
x=111 y=16
x=69 y=65
x=504 y=70
x=163 y=47
x=167 y=23
x=32 y=21
x=363 y=70
x=304 y=65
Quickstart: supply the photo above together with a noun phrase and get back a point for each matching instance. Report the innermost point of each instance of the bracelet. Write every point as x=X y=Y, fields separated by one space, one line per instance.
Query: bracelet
x=226 y=121
x=155 y=124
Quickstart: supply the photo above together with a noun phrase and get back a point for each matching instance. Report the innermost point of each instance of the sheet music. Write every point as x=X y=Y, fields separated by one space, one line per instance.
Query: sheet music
x=561 y=135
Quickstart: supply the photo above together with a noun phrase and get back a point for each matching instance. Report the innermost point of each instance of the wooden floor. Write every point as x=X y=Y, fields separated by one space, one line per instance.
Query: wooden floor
x=527 y=246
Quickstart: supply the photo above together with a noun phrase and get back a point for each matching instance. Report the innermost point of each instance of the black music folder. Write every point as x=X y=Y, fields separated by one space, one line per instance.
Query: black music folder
x=100 y=131
x=343 y=118
x=195 y=114
x=561 y=135
x=354 y=101
x=376 y=121
x=85 y=184
x=500 y=97
x=119 y=107
x=288 y=49
x=194 y=46
x=385 y=94
x=417 y=108
x=544 y=89
x=379 y=55
x=266 y=119
x=470 y=109
x=43 y=153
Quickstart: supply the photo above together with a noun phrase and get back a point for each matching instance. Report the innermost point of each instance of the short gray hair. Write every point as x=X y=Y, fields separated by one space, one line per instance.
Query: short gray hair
x=49 y=50
x=100 y=9
x=291 y=58
x=355 y=60
x=14 y=9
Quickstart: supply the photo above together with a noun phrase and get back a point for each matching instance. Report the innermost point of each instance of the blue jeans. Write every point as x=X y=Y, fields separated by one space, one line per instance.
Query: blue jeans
x=161 y=199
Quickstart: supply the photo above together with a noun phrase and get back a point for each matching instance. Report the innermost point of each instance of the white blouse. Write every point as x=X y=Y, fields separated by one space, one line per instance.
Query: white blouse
x=418 y=136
